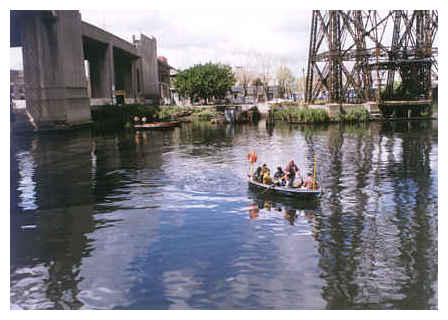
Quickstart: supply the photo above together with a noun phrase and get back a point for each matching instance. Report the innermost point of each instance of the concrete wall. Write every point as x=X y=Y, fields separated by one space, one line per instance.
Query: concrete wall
x=100 y=101
x=125 y=66
x=90 y=31
x=334 y=108
x=147 y=49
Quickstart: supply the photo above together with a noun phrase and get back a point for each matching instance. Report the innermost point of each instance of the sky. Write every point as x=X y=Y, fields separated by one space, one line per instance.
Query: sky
x=228 y=35
x=235 y=35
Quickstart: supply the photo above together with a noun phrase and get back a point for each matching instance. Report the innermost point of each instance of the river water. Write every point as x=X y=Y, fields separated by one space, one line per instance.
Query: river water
x=165 y=219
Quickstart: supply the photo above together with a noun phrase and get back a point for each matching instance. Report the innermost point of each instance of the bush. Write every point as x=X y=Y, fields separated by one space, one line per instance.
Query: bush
x=173 y=112
x=207 y=114
x=302 y=115
x=283 y=105
x=354 y=115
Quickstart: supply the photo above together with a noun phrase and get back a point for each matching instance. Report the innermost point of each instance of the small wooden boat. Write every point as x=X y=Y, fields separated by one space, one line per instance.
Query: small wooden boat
x=158 y=125
x=286 y=191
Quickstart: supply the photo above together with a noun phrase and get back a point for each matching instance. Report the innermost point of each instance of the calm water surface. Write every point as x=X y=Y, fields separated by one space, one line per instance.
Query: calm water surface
x=165 y=219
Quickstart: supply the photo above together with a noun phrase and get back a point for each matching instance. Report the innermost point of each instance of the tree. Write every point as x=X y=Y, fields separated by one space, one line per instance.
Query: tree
x=285 y=81
x=264 y=63
x=244 y=78
x=257 y=83
x=205 y=81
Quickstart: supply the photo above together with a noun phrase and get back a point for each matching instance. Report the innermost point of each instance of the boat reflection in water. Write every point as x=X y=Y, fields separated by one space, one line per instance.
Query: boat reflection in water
x=291 y=209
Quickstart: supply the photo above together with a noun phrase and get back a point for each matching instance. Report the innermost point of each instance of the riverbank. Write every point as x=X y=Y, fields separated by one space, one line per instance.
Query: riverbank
x=115 y=117
x=123 y=116
x=293 y=112
x=304 y=115
x=107 y=116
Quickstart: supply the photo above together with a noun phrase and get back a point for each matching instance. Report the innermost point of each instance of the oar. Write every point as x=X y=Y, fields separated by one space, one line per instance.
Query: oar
x=268 y=188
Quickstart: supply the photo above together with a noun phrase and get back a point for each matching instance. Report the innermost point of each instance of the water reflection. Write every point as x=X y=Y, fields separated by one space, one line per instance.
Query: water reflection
x=357 y=227
x=45 y=260
x=165 y=219
x=289 y=208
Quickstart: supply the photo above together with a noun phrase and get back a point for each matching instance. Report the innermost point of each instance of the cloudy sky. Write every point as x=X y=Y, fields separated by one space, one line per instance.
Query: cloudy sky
x=233 y=35
x=228 y=35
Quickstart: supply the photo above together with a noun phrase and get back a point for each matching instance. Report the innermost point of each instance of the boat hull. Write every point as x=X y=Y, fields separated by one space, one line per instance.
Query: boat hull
x=289 y=192
x=158 y=125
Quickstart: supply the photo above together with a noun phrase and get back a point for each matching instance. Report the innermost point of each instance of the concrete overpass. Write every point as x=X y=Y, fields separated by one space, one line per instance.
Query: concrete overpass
x=58 y=47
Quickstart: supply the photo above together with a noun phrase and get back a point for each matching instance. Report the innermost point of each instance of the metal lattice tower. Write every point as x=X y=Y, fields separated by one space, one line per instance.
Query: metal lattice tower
x=354 y=55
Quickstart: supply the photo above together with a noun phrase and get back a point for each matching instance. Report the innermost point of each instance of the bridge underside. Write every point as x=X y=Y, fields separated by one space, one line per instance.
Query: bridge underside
x=109 y=70
x=69 y=65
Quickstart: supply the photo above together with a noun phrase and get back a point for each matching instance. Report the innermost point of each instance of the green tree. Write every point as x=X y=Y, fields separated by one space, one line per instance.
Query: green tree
x=205 y=81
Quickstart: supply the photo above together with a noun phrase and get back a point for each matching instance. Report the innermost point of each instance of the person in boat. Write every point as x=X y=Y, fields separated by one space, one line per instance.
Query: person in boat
x=267 y=179
x=279 y=176
x=308 y=183
x=279 y=173
x=264 y=169
x=258 y=177
x=291 y=170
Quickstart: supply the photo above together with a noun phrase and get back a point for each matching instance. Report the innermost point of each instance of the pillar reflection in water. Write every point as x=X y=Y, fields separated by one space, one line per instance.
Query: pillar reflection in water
x=51 y=253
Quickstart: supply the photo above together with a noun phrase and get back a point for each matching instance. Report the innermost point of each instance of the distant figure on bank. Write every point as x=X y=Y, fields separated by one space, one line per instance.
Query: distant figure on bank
x=291 y=170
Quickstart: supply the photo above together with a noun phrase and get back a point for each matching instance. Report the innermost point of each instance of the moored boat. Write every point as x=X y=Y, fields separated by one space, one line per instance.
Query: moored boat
x=158 y=125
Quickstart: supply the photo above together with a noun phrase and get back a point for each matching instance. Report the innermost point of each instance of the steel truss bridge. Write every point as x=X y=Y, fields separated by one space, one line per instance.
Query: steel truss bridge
x=357 y=56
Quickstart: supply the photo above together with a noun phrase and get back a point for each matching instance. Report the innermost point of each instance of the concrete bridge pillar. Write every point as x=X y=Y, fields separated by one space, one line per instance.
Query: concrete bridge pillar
x=109 y=71
x=53 y=65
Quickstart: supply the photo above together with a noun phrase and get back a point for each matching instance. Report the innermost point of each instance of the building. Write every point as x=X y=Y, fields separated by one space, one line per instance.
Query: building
x=166 y=73
x=255 y=94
